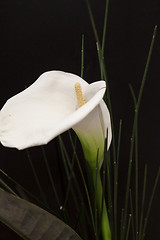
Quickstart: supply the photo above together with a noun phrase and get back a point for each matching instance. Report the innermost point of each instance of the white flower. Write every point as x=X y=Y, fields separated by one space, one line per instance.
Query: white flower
x=49 y=107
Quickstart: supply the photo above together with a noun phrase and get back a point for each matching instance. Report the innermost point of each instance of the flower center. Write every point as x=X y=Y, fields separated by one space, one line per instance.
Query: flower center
x=79 y=94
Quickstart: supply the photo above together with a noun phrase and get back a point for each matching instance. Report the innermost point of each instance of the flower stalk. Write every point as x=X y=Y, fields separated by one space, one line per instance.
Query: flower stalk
x=100 y=201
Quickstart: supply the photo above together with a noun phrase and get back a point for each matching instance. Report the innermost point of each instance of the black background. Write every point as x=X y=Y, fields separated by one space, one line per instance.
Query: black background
x=37 y=36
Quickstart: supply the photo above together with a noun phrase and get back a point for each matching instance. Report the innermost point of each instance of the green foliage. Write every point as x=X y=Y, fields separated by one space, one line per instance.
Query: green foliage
x=29 y=220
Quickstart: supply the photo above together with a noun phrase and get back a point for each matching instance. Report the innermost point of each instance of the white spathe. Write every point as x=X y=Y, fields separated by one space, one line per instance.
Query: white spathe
x=49 y=107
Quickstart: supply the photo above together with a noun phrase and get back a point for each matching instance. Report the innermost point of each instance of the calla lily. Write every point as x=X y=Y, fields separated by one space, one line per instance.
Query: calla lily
x=49 y=107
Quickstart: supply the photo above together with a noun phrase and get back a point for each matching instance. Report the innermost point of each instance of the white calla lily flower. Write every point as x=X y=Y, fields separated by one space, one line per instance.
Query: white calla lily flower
x=50 y=106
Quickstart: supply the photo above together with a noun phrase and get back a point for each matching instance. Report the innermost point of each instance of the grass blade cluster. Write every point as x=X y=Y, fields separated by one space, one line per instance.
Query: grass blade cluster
x=133 y=221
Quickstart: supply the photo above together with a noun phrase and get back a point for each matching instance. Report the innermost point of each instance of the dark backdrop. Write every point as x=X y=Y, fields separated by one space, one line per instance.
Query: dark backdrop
x=37 y=36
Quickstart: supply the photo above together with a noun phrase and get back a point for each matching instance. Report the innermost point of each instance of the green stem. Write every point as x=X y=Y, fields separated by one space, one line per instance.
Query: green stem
x=105 y=228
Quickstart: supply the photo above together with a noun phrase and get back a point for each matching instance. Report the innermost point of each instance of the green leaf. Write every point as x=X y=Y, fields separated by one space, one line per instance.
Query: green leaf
x=31 y=222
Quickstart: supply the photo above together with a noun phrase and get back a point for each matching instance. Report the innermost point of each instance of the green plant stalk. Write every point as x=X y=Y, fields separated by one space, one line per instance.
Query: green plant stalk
x=132 y=222
x=37 y=179
x=102 y=65
x=82 y=57
x=64 y=152
x=115 y=199
x=42 y=204
x=105 y=227
x=69 y=173
x=50 y=176
x=134 y=129
x=136 y=164
x=105 y=26
x=150 y=203
x=143 y=202
x=128 y=227
x=109 y=189
x=7 y=187
x=146 y=67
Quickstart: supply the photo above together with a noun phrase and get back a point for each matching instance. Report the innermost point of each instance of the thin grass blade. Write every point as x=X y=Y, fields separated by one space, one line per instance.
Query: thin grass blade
x=150 y=203
x=143 y=201
x=36 y=178
x=50 y=175
x=82 y=57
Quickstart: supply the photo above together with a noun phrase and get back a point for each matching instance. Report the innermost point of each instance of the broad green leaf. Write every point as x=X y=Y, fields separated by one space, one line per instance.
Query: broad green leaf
x=32 y=222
